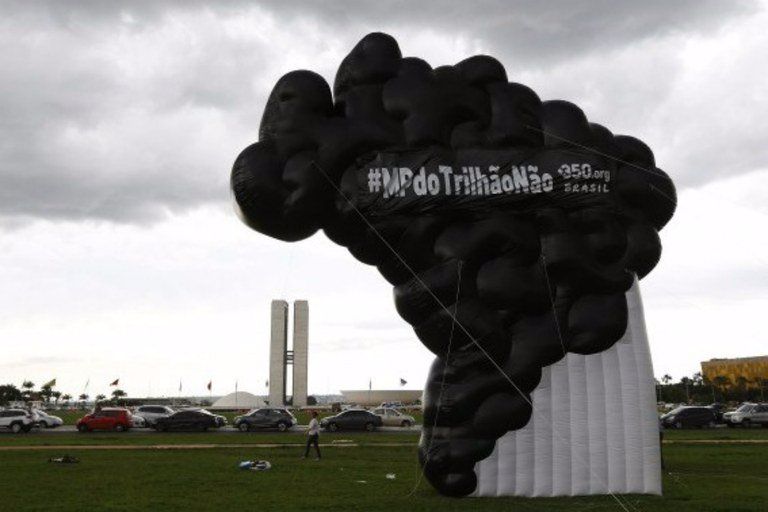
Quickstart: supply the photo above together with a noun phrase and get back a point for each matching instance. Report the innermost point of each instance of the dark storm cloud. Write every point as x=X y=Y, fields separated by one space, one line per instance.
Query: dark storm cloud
x=129 y=112
x=529 y=31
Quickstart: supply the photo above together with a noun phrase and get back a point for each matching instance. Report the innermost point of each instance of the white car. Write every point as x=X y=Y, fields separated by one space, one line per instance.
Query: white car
x=393 y=418
x=16 y=420
x=45 y=420
x=747 y=414
x=151 y=413
x=138 y=421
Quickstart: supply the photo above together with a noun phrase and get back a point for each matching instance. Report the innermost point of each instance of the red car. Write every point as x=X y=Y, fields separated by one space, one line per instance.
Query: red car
x=109 y=418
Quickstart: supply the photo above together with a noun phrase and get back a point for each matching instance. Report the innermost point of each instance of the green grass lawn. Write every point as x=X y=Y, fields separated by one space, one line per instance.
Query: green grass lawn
x=147 y=437
x=701 y=478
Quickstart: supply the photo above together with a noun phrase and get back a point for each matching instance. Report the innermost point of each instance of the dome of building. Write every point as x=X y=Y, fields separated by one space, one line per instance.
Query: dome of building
x=238 y=400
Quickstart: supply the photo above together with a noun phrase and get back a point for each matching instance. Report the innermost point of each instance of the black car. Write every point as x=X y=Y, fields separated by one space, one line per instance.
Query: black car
x=352 y=420
x=190 y=420
x=280 y=419
x=689 y=416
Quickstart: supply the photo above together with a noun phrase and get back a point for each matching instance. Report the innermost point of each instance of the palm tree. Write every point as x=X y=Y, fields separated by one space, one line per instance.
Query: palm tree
x=118 y=394
x=66 y=397
x=100 y=397
x=686 y=381
x=666 y=378
x=698 y=380
x=27 y=386
x=46 y=392
x=56 y=396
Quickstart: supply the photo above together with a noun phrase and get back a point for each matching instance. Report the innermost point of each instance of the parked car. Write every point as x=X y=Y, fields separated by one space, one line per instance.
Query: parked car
x=190 y=420
x=138 y=421
x=16 y=420
x=719 y=410
x=747 y=414
x=352 y=419
x=108 y=418
x=391 y=405
x=151 y=413
x=45 y=420
x=281 y=419
x=689 y=416
x=394 y=418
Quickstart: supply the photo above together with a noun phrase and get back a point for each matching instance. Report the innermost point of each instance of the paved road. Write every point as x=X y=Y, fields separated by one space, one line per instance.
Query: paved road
x=69 y=429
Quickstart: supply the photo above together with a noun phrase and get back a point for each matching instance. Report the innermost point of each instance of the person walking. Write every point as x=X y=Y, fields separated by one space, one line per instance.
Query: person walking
x=313 y=436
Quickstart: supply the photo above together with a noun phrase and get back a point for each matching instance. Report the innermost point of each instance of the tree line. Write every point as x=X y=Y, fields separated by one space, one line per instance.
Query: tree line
x=48 y=395
x=721 y=388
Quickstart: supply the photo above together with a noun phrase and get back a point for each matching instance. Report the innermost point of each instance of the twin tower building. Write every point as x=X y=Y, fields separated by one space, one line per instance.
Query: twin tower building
x=280 y=357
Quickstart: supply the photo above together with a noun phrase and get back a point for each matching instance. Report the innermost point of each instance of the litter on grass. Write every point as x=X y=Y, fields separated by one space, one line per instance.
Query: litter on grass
x=255 y=465
x=66 y=459
x=390 y=476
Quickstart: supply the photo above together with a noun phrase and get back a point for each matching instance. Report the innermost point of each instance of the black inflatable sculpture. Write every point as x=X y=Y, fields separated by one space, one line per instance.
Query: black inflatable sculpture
x=510 y=228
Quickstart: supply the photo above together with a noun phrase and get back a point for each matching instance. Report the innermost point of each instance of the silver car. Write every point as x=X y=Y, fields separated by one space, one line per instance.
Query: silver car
x=151 y=413
x=393 y=418
x=45 y=420
x=747 y=415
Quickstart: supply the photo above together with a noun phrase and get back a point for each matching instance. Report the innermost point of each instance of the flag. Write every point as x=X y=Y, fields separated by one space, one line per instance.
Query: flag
x=210 y=383
x=49 y=384
x=403 y=382
x=115 y=382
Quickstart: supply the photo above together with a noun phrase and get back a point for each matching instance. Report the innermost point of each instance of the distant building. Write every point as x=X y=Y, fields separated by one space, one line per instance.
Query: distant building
x=750 y=368
x=371 y=397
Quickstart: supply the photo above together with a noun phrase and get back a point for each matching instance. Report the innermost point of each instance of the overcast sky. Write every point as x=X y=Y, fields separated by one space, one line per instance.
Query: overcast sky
x=120 y=255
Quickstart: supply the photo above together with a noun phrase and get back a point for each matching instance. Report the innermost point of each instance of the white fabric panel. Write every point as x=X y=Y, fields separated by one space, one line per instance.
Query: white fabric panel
x=632 y=441
x=541 y=421
x=506 y=466
x=577 y=383
x=594 y=428
x=561 y=429
x=614 y=425
x=525 y=456
x=649 y=420
x=598 y=435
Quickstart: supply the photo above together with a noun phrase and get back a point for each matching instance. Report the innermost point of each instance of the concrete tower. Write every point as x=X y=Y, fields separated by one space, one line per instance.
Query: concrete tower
x=300 y=352
x=277 y=351
x=280 y=357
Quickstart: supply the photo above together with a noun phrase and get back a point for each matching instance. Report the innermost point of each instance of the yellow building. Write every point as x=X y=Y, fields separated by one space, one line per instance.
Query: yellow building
x=751 y=368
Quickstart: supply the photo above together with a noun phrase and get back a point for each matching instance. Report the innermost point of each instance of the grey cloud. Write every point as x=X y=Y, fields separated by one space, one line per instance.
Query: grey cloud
x=128 y=112
x=529 y=31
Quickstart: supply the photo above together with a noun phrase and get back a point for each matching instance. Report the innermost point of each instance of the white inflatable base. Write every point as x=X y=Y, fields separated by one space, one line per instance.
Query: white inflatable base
x=594 y=428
